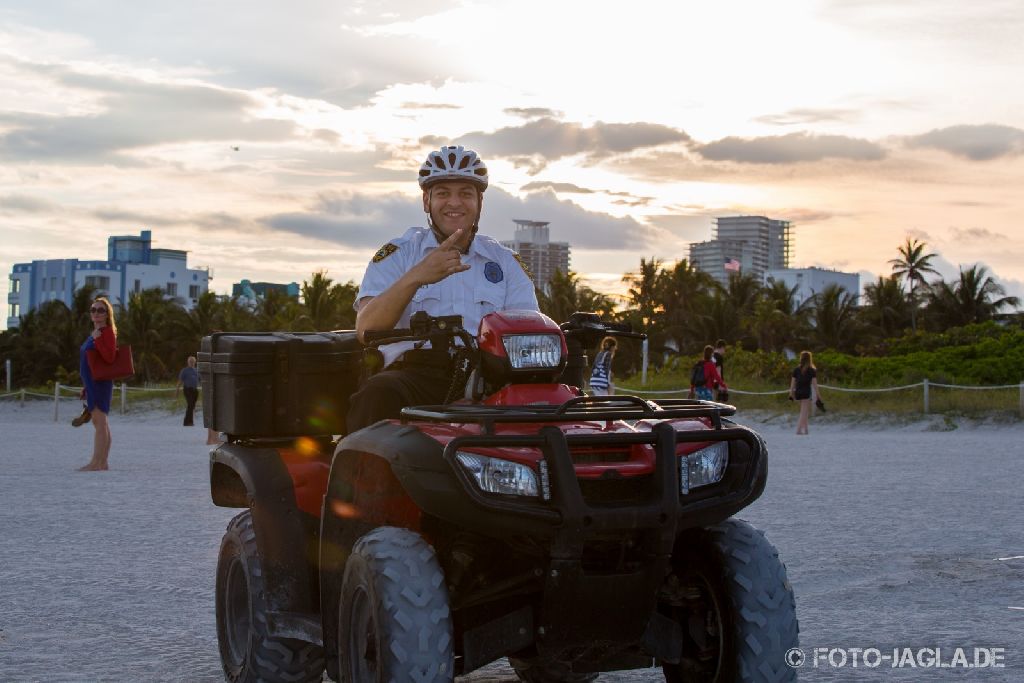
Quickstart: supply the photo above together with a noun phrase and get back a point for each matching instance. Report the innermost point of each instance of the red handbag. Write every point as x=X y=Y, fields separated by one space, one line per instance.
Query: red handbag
x=122 y=367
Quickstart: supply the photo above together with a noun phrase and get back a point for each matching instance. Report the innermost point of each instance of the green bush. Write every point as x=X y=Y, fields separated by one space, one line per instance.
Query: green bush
x=986 y=354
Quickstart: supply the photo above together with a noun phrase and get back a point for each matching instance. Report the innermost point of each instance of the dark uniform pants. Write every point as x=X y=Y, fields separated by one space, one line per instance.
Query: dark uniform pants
x=191 y=395
x=384 y=395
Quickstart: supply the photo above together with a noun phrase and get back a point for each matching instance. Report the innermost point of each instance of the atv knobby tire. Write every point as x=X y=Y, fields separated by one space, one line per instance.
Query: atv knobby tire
x=547 y=672
x=729 y=593
x=247 y=653
x=394 y=621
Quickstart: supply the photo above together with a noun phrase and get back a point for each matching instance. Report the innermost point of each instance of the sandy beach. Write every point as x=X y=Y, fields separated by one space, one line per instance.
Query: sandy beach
x=895 y=536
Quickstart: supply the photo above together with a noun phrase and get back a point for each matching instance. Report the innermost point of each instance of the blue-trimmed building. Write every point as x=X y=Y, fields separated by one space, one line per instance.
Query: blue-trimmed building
x=132 y=265
x=258 y=290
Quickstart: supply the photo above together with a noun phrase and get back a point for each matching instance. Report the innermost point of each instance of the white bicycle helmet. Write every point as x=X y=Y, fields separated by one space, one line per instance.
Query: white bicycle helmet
x=453 y=163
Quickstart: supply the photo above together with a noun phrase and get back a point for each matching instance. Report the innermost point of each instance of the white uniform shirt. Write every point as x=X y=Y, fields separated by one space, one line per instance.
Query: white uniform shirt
x=495 y=281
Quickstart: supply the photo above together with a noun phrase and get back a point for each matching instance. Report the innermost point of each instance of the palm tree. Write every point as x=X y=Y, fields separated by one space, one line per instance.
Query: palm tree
x=45 y=345
x=186 y=328
x=81 y=301
x=316 y=297
x=276 y=311
x=778 y=320
x=885 y=306
x=644 y=299
x=566 y=296
x=144 y=325
x=234 y=316
x=732 y=307
x=975 y=297
x=343 y=297
x=835 y=319
x=40 y=343
x=643 y=288
x=912 y=265
x=684 y=294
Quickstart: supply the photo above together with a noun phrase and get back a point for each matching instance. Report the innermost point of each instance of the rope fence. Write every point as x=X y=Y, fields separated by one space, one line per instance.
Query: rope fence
x=75 y=392
x=925 y=385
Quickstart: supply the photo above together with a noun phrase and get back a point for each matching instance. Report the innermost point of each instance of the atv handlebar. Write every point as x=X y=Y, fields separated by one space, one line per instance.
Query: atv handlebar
x=589 y=326
x=423 y=327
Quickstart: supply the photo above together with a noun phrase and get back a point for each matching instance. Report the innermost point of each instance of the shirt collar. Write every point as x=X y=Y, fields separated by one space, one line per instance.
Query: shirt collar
x=477 y=247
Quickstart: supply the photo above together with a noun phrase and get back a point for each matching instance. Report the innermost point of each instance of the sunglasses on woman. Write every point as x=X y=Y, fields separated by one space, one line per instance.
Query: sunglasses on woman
x=97 y=309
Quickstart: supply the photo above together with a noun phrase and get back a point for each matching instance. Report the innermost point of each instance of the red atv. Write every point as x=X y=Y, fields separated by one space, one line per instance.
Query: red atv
x=572 y=534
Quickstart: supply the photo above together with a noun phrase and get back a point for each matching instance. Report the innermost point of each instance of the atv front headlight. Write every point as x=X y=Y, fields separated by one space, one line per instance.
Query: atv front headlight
x=703 y=467
x=533 y=350
x=495 y=475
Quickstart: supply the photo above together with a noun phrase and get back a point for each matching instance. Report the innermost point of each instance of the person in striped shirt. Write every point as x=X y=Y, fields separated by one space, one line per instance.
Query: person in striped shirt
x=601 y=374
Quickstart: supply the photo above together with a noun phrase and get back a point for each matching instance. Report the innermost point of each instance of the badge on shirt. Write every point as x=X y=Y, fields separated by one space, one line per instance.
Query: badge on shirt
x=526 y=269
x=385 y=251
x=492 y=271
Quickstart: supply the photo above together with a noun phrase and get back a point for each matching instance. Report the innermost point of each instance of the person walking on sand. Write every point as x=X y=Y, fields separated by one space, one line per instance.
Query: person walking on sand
x=601 y=374
x=189 y=379
x=704 y=377
x=718 y=358
x=98 y=393
x=803 y=387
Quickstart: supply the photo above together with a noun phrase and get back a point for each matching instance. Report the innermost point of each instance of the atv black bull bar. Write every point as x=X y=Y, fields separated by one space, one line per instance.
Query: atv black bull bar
x=665 y=497
x=573 y=610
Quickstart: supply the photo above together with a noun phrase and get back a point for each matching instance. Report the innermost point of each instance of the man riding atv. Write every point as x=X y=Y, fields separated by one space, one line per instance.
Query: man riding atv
x=477 y=504
x=446 y=268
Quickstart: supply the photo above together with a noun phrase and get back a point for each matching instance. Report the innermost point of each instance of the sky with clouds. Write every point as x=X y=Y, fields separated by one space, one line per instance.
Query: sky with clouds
x=274 y=139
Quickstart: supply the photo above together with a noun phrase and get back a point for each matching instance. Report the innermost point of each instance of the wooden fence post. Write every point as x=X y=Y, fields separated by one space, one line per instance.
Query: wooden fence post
x=643 y=365
x=925 y=384
x=56 y=401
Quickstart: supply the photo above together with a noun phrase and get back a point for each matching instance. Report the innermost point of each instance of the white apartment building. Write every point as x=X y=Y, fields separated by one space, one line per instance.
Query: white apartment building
x=810 y=281
x=132 y=265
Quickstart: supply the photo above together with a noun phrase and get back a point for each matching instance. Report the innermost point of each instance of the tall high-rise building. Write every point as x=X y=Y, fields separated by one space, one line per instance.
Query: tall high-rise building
x=744 y=244
x=132 y=265
x=543 y=257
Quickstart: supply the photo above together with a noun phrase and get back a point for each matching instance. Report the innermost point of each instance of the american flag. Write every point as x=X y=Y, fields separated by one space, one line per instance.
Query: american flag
x=732 y=264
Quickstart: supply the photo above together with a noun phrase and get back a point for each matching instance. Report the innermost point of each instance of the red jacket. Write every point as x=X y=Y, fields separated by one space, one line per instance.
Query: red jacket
x=712 y=379
x=106 y=344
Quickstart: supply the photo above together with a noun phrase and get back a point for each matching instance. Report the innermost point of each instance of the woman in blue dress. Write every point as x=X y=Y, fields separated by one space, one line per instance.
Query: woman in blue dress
x=98 y=393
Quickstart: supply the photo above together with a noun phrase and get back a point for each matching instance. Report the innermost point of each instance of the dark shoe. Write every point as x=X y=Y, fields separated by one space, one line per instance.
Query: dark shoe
x=82 y=419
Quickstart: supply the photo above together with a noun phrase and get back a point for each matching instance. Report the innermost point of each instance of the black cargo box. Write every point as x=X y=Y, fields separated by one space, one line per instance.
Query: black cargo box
x=278 y=383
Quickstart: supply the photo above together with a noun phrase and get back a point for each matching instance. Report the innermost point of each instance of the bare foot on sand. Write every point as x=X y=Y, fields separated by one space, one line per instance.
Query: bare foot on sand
x=93 y=467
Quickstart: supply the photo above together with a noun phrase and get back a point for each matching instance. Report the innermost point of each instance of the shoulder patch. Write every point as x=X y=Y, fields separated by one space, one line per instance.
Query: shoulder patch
x=493 y=273
x=522 y=263
x=385 y=251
